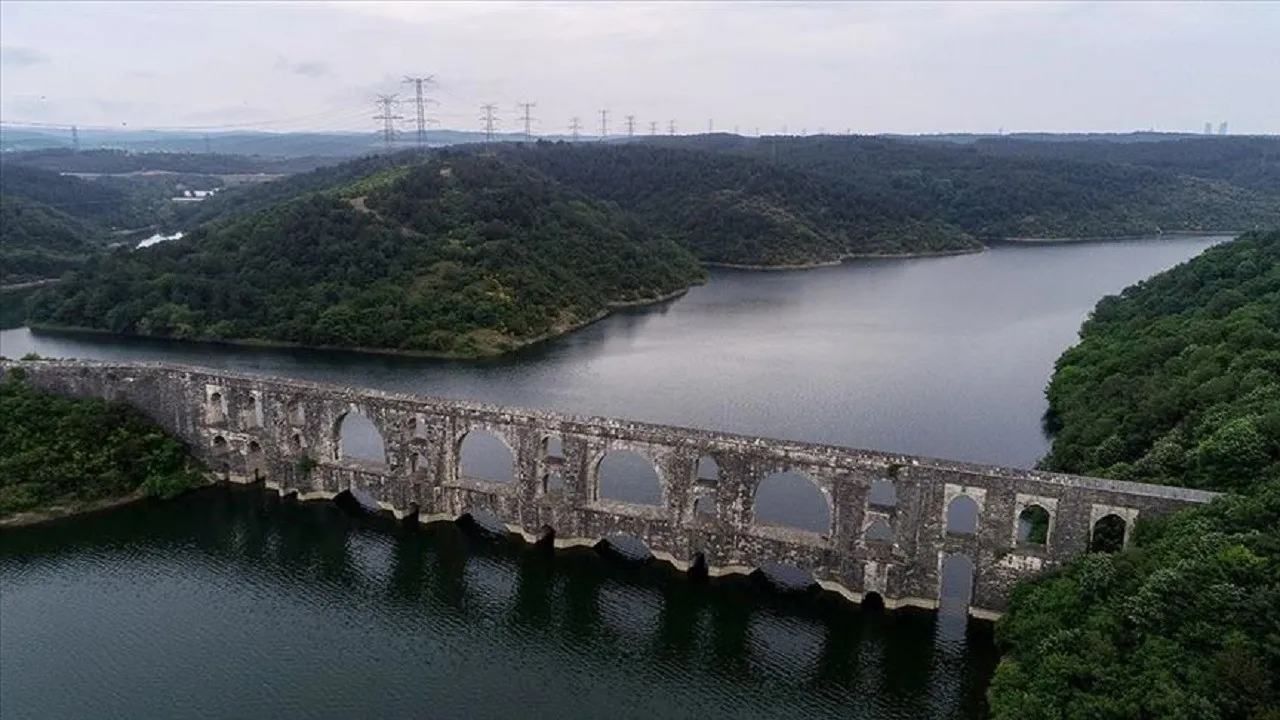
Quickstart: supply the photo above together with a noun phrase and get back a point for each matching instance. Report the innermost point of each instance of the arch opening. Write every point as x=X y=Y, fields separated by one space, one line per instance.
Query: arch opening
x=219 y=444
x=254 y=447
x=879 y=531
x=1033 y=526
x=253 y=412
x=955 y=584
x=483 y=455
x=216 y=412
x=626 y=476
x=483 y=521
x=359 y=439
x=792 y=499
x=787 y=578
x=883 y=494
x=297 y=440
x=553 y=483
x=962 y=516
x=627 y=547
x=413 y=462
x=295 y=413
x=552 y=448
x=872 y=601
x=708 y=470
x=1108 y=534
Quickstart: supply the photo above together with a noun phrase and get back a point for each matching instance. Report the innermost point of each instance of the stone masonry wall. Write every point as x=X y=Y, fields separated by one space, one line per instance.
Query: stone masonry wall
x=258 y=428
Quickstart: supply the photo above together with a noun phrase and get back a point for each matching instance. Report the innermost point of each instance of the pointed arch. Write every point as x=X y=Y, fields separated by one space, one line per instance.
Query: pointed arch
x=1109 y=534
x=792 y=499
x=1033 y=526
x=485 y=455
x=962 y=516
x=627 y=476
x=882 y=493
x=358 y=439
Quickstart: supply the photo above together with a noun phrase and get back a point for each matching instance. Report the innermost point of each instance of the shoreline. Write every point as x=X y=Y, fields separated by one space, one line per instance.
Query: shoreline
x=847 y=257
x=51 y=513
x=1110 y=238
x=391 y=352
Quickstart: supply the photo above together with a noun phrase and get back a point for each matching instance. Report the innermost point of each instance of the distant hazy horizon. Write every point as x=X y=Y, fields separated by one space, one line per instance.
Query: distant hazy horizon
x=751 y=68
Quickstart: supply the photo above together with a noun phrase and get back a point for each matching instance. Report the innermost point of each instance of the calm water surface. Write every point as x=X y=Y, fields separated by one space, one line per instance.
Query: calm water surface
x=232 y=604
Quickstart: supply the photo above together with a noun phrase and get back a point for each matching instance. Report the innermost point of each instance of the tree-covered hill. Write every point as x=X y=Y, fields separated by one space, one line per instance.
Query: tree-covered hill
x=66 y=160
x=734 y=210
x=466 y=255
x=1176 y=381
x=105 y=205
x=997 y=196
x=38 y=242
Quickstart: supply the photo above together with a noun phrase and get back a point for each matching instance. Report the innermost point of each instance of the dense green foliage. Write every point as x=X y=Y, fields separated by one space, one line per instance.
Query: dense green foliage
x=463 y=255
x=37 y=241
x=1248 y=162
x=998 y=196
x=727 y=209
x=57 y=450
x=106 y=205
x=1185 y=626
x=1176 y=381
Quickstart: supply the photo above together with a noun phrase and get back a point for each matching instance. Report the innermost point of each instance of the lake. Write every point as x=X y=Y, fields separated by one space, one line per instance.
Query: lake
x=230 y=603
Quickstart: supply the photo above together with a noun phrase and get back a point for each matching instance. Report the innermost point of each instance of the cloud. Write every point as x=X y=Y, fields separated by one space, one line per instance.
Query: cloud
x=309 y=68
x=14 y=56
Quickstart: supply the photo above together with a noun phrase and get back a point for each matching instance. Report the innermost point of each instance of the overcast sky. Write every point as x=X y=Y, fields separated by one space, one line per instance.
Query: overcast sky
x=907 y=67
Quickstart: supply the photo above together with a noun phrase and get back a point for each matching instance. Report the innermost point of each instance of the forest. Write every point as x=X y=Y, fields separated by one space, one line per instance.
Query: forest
x=59 y=451
x=1174 y=381
x=464 y=256
x=1020 y=193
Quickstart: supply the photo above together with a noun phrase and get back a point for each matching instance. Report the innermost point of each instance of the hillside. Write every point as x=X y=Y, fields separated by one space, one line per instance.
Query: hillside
x=733 y=210
x=38 y=242
x=1176 y=381
x=993 y=196
x=462 y=256
x=107 y=206
x=66 y=160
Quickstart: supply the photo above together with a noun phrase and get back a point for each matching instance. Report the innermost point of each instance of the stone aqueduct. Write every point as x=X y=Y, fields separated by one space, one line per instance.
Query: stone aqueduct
x=286 y=433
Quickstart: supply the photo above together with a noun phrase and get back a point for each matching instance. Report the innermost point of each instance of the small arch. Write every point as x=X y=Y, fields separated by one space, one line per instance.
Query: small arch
x=962 y=515
x=411 y=425
x=883 y=494
x=708 y=470
x=546 y=537
x=297 y=440
x=254 y=447
x=482 y=455
x=872 y=602
x=955 y=584
x=295 y=413
x=553 y=483
x=216 y=412
x=413 y=462
x=880 y=531
x=788 y=578
x=484 y=521
x=359 y=439
x=552 y=448
x=628 y=547
x=704 y=507
x=792 y=499
x=219 y=443
x=699 y=569
x=1109 y=534
x=627 y=476
x=253 y=411
x=419 y=429
x=1033 y=526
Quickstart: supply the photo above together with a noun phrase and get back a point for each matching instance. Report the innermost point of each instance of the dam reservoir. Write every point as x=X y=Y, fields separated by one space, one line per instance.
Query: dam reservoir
x=233 y=603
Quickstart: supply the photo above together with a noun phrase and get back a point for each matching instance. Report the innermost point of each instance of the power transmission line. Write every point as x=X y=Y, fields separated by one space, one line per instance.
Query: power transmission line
x=420 y=101
x=604 y=124
x=489 y=121
x=389 y=104
x=575 y=127
x=631 y=126
x=653 y=127
x=671 y=127
x=528 y=120
x=711 y=125
x=75 y=138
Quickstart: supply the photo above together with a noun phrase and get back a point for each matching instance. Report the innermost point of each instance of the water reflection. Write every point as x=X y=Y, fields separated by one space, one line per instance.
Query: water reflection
x=323 y=602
